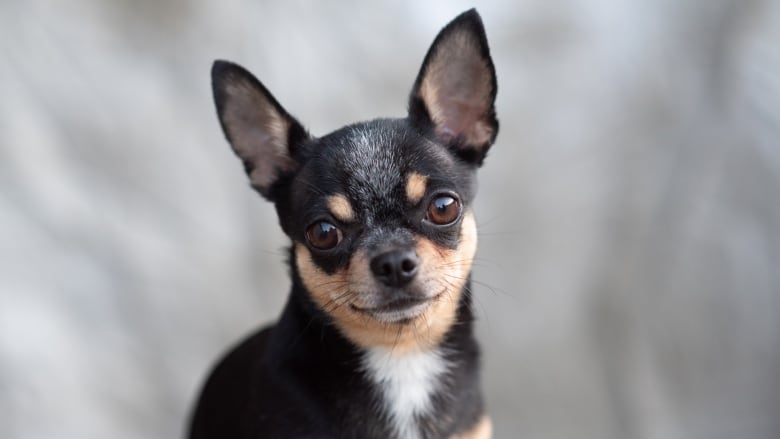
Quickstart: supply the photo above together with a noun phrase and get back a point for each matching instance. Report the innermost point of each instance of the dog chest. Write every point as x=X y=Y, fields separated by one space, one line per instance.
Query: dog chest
x=406 y=384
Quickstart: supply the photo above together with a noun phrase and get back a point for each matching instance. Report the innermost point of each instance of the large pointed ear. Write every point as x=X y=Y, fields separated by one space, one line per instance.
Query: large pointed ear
x=263 y=135
x=455 y=91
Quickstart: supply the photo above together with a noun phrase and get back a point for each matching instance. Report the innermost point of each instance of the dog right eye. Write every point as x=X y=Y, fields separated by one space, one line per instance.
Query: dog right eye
x=323 y=235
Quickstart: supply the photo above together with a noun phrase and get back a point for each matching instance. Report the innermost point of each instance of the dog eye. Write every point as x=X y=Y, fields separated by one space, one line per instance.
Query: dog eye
x=323 y=235
x=443 y=210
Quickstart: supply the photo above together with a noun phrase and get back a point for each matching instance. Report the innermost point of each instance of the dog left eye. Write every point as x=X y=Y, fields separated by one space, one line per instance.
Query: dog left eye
x=443 y=210
x=323 y=235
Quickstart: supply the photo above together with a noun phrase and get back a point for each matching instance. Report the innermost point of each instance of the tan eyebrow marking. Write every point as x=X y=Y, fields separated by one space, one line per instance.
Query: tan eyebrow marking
x=415 y=187
x=340 y=207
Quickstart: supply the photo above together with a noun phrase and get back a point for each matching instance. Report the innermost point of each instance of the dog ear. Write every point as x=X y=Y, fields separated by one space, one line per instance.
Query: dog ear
x=455 y=91
x=263 y=135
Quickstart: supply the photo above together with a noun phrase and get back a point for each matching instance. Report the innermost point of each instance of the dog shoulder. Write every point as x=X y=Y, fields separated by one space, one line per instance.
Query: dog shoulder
x=226 y=395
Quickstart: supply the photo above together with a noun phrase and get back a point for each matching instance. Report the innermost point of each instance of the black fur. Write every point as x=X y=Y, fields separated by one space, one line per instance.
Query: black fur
x=302 y=378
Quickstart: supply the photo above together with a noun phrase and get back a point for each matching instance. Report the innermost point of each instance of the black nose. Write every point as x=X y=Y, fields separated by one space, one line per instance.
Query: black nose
x=395 y=268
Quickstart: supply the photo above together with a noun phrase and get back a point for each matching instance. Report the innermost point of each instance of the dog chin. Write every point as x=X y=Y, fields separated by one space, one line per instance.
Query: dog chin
x=403 y=316
x=398 y=311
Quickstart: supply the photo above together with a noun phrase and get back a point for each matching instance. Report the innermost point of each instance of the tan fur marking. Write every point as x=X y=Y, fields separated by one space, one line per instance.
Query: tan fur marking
x=340 y=207
x=415 y=187
x=483 y=429
x=444 y=270
x=329 y=291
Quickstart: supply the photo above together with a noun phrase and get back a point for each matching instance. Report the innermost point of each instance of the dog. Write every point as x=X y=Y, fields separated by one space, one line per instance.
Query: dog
x=376 y=338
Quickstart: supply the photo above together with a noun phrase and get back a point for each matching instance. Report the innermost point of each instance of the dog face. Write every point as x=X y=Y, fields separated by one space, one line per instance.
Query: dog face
x=379 y=212
x=385 y=242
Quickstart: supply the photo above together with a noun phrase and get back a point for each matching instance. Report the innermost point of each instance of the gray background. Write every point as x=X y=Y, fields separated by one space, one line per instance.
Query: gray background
x=629 y=281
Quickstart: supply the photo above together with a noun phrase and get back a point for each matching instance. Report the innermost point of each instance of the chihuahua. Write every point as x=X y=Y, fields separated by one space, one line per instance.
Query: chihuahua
x=376 y=339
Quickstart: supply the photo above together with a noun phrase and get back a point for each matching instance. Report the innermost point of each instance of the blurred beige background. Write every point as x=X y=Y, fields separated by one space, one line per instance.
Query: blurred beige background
x=629 y=267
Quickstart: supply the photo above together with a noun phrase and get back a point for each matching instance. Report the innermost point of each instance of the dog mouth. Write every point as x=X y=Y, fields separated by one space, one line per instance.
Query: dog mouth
x=401 y=310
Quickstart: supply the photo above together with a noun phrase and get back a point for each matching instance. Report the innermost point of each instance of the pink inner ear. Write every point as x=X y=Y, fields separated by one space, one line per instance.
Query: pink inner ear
x=464 y=119
x=457 y=89
x=258 y=133
x=263 y=148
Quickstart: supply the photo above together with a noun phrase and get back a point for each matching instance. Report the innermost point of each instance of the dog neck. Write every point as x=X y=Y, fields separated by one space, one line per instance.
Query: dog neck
x=407 y=389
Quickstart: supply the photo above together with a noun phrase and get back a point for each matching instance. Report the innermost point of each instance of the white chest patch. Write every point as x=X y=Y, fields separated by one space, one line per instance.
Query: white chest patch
x=406 y=382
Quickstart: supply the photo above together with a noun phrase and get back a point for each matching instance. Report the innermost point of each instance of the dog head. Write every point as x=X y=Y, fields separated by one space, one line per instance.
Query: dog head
x=379 y=212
